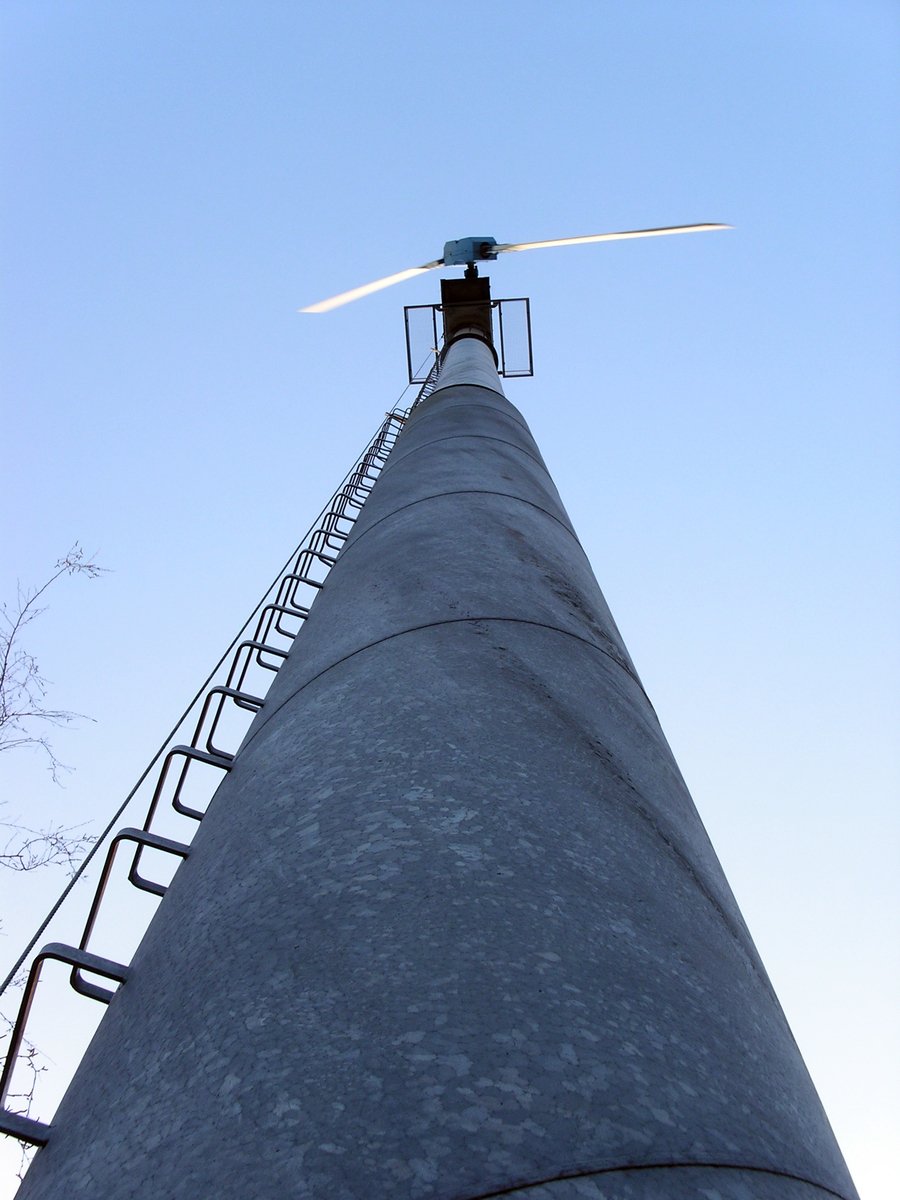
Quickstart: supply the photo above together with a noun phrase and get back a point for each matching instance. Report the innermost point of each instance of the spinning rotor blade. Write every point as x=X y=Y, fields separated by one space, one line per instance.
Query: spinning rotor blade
x=605 y=237
x=368 y=288
x=475 y=249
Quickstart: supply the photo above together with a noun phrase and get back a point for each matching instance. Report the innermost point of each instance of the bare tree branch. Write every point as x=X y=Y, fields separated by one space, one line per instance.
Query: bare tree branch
x=27 y=849
x=23 y=688
x=20 y=1102
x=24 y=715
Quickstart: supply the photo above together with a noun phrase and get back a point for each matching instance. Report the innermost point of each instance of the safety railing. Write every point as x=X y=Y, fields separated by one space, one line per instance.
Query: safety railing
x=220 y=717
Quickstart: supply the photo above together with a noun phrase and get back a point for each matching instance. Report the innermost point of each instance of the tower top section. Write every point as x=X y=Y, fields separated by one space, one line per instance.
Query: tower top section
x=466 y=309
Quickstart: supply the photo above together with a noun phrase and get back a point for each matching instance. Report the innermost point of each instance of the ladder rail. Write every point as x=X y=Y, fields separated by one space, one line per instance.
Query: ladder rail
x=307 y=569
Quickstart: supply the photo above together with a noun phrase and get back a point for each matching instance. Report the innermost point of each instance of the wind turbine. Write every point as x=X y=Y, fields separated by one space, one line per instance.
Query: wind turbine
x=470 y=251
x=451 y=925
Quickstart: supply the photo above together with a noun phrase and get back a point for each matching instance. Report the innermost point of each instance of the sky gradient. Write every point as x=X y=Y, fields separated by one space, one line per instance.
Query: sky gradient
x=719 y=411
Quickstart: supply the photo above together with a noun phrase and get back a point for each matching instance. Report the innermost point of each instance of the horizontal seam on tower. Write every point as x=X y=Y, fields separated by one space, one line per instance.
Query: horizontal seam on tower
x=563 y=1176
x=434 y=625
x=450 y=437
x=517 y=420
x=463 y=492
x=445 y=387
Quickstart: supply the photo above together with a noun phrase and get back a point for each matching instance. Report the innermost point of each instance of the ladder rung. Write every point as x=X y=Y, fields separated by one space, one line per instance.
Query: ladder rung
x=26 y=1129
x=74 y=958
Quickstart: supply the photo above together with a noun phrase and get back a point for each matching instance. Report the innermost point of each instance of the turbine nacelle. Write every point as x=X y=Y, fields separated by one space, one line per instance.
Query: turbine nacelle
x=469 y=250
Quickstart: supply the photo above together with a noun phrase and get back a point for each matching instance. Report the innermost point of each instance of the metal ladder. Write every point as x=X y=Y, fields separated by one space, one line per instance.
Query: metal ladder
x=254 y=659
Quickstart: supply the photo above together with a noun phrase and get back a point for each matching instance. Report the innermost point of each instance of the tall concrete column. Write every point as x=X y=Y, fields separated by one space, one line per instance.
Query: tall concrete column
x=452 y=926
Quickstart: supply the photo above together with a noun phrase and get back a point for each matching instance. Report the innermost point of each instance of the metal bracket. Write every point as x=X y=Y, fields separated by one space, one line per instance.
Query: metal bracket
x=26 y=1129
x=74 y=957
x=143 y=839
x=189 y=754
x=505 y=315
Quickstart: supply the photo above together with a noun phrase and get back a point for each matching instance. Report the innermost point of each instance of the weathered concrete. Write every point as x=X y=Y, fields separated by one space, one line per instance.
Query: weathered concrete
x=452 y=927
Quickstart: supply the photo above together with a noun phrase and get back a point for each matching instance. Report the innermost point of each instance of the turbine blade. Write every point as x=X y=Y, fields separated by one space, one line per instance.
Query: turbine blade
x=606 y=237
x=368 y=288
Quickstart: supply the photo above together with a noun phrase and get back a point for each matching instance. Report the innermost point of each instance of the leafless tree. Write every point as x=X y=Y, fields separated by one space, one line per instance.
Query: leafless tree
x=25 y=717
x=30 y=1061
x=27 y=849
x=24 y=713
x=24 y=720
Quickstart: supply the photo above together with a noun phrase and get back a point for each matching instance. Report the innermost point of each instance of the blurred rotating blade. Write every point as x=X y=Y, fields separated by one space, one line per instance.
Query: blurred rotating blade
x=502 y=248
x=368 y=288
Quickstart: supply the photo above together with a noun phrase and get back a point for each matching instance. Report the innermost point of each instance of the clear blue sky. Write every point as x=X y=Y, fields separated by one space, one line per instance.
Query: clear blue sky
x=719 y=411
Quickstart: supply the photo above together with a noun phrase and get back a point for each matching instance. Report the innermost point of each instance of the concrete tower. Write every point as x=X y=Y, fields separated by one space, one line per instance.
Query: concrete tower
x=452 y=926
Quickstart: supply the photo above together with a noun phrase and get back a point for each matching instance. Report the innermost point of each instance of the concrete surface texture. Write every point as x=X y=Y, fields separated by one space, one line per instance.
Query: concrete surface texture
x=452 y=926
